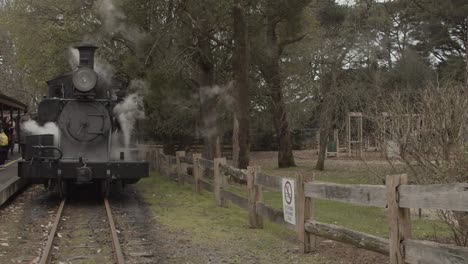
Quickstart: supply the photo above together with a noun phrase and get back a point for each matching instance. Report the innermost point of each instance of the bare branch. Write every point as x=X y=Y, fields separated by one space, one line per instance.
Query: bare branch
x=290 y=41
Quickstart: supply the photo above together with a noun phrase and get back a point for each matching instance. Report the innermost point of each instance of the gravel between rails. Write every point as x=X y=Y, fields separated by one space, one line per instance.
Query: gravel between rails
x=83 y=235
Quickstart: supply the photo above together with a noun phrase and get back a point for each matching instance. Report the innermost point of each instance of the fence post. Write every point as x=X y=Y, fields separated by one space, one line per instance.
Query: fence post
x=150 y=159
x=179 y=168
x=398 y=219
x=153 y=159
x=162 y=162
x=168 y=165
x=305 y=211
x=254 y=196
x=157 y=164
x=197 y=171
x=219 y=181
x=165 y=165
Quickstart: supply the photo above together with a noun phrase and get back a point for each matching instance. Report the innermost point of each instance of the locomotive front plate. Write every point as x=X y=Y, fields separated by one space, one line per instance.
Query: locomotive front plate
x=85 y=121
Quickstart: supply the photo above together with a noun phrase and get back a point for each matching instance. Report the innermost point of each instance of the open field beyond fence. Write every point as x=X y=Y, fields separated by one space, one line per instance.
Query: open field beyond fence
x=374 y=217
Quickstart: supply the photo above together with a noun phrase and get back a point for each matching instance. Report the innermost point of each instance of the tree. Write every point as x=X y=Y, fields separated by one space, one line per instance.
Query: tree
x=241 y=66
x=40 y=34
x=339 y=34
x=279 y=29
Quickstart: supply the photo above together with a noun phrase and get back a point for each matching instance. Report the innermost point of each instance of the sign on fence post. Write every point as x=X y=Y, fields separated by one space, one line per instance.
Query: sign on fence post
x=289 y=207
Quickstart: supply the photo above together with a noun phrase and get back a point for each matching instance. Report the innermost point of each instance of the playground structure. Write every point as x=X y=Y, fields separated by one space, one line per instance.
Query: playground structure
x=354 y=124
x=381 y=134
x=399 y=129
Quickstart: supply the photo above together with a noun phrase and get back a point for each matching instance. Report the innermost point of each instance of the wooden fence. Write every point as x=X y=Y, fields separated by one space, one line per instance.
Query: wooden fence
x=397 y=196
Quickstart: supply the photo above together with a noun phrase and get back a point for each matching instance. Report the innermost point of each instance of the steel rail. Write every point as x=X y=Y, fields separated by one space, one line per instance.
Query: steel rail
x=53 y=231
x=115 y=240
x=50 y=240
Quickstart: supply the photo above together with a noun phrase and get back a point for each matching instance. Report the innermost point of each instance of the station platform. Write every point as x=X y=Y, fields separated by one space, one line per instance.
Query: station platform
x=10 y=183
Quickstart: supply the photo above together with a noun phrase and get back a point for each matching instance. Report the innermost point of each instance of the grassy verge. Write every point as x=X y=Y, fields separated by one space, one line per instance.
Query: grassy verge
x=361 y=218
x=370 y=220
x=223 y=229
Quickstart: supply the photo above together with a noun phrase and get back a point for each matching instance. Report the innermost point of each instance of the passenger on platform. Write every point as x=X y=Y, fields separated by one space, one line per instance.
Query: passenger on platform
x=13 y=136
x=7 y=131
x=3 y=147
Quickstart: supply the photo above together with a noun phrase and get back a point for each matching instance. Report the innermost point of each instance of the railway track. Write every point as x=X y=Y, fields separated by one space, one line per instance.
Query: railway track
x=96 y=237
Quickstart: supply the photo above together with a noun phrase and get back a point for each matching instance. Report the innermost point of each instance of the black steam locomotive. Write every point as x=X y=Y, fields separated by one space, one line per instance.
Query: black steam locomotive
x=81 y=105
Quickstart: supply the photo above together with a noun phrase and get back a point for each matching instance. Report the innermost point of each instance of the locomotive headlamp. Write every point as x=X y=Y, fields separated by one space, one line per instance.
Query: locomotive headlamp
x=84 y=79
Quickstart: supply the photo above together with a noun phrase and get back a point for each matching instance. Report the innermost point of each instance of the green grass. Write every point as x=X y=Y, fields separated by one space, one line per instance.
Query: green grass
x=370 y=220
x=179 y=207
x=337 y=171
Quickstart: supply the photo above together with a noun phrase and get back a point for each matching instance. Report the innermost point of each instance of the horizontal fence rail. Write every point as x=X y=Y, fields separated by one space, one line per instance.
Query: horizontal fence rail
x=368 y=195
x=348 y=236
x=435 y=196
x=419 y=251
x=396 y=196
x=268 y=181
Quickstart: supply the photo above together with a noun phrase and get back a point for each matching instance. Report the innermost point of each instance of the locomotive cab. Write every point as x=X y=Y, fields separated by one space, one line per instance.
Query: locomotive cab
x=81 y=107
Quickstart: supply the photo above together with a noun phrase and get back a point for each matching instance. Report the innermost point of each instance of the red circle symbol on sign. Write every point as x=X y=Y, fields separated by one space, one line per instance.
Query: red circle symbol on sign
x=288 y=192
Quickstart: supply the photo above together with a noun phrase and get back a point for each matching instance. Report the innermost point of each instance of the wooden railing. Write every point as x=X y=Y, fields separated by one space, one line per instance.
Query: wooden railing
x=396 y=196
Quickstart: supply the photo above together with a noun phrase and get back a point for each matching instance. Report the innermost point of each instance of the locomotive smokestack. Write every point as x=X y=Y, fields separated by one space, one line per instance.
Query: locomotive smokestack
x=86 y=55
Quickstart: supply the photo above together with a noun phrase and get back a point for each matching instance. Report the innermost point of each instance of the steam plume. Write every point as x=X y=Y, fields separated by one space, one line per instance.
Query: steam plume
x=127 y=112
x=31 y=127
x=114 y=21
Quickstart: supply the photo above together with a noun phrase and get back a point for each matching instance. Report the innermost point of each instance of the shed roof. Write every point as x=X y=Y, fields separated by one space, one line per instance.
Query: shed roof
x=11 y=103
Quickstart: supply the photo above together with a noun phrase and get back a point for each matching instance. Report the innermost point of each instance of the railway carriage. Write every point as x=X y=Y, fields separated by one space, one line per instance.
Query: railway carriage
x=81 y=105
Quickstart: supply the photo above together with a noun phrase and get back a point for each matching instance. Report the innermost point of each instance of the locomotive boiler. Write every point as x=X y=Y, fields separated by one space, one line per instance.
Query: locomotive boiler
x=81 y=105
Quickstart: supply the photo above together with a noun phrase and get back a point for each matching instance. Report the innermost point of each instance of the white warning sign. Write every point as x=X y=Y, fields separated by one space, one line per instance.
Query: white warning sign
x=289 y=207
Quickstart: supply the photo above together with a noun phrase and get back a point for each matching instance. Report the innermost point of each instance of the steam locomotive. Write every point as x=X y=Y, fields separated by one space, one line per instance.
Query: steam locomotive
x=81 y=105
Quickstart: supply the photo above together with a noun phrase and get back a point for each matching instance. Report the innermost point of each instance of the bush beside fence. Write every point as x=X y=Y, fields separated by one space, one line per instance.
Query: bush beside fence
x=397 y=196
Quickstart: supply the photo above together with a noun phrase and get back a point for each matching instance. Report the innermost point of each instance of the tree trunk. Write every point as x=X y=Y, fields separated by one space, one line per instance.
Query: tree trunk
x=327 y=112
x=235 y=142
x=208 y=102
x=326 y=116
x=388 y=44
x=209 y=119
x=271 y=73
x=241 y=63
x=324 y=132
x=466 y=55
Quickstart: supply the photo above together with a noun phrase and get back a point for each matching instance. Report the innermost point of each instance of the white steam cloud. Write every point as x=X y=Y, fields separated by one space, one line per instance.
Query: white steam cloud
x=223 y=96
x=114 y=21
x=31 y=127
x=127 y=112
x=104 y=69
x=73 y=58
